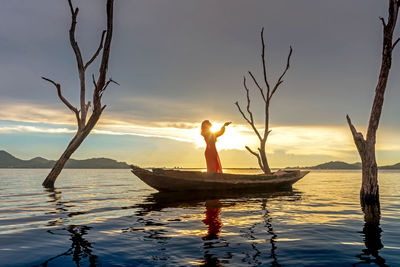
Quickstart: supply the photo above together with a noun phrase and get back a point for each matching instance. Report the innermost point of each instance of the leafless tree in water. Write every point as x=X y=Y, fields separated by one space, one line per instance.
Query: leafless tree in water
x=267 y=93
x=85 y=122
x=369 y=193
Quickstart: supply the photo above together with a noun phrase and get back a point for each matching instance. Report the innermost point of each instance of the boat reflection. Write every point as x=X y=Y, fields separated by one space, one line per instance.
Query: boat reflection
x=372 y=236
x=216 y=247
x=162 y=200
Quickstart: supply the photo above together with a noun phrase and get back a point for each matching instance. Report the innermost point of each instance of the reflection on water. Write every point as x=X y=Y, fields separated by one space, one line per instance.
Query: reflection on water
x=372 y=235
x=110 y=218
x=214 y=224
x=81 y=249
x=268 y=224
x=212 y=220
x=214 y=238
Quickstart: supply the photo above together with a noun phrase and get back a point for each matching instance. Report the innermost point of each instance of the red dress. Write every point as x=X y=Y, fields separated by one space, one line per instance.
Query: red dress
x=212 y=158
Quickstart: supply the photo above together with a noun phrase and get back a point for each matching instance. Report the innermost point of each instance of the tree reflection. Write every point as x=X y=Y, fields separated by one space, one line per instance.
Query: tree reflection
x=372 y=235
x=268 y=224
x=55 y=198
x=81 y=249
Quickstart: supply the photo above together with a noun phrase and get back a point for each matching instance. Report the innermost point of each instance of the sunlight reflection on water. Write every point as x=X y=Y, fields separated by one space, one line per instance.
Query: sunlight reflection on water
x=109 y=217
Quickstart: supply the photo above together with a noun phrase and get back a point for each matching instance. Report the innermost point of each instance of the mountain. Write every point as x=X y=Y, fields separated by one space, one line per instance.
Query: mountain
x=391 y=167
x=337 y=165
x=9 y=161
x=340 y=165
x=6 y=159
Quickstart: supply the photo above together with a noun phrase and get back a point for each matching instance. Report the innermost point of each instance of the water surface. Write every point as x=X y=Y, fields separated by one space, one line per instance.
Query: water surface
x=110 y=218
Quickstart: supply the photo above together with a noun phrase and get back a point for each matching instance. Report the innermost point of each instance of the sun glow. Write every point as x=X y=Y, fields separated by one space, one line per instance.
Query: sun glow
x=235 y=137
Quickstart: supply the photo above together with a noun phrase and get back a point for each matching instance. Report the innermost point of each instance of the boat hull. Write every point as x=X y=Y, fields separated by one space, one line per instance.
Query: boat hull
x=171 y=180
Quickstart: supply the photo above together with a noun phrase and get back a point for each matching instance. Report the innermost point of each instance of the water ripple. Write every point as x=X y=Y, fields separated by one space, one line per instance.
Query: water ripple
x=110 y=218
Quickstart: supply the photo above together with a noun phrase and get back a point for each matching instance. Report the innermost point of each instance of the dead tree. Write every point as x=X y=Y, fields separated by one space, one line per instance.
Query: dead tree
x=366 y=147
x=266 y=94
x=99 y=86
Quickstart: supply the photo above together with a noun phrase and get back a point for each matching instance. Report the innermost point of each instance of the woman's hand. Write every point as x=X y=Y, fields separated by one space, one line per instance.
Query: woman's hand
x=227 y=123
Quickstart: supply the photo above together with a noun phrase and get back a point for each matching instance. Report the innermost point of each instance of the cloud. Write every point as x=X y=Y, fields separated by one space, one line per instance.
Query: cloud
x=31 y=113
x=306 y=140
x=33 y=129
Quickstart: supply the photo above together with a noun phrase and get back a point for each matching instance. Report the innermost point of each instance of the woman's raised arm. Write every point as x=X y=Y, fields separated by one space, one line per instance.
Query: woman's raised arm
x=222 y=130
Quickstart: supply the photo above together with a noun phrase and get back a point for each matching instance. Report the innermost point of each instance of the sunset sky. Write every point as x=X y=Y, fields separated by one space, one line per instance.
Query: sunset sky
x=179 y=62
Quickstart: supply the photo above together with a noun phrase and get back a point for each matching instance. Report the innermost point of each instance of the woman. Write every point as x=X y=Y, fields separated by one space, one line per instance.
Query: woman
x=212 y=158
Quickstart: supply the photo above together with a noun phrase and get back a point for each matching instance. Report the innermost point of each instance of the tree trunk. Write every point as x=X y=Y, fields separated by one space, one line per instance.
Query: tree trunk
x=57 y=168
x=264 y=160
x=369 y=192
x=79 y=137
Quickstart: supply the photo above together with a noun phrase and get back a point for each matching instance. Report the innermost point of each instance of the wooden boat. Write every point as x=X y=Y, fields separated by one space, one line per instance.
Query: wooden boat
x=173 y=180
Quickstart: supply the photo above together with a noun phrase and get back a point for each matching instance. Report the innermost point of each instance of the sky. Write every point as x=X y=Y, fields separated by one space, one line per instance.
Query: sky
x=179 y=62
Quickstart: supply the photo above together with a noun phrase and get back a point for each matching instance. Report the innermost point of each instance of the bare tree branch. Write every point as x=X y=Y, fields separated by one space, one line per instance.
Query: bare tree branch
x=241 y=112
x=395 y=43
x=259 y=87
x=107 y=45
x=263 y=62
x=383 y=22
x=105 y=86
x=94 y=82
x=248 y=99
x=64 y=100
x=257 y=155
x=357 y=136
x=73 y=12
x=73 y=42
x=283 y=74
x=79 y=60
x=108 y=82
x=101 y=81
x=97 y=51
x=386 y=64
x=87 y=107
x=251 y=120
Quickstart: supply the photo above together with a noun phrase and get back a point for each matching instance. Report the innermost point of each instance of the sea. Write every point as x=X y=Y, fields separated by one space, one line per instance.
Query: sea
x=111 y=218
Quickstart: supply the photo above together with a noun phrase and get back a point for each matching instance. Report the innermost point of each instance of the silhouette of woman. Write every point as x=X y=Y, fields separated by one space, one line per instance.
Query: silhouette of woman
x=212 y=158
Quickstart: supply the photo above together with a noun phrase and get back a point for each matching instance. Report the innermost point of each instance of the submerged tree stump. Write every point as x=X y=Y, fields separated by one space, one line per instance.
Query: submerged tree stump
x=369 y=192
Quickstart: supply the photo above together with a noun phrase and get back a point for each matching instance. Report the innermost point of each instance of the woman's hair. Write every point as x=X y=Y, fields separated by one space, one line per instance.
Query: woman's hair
x=205 y=126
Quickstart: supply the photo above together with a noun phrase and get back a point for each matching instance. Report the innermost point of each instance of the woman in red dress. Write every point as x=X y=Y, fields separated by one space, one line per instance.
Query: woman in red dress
x=212 y=158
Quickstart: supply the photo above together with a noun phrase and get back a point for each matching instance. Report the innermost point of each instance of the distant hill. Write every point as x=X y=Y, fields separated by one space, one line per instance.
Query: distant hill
x=391 y=167
x=340 y=165
x=337 y=165
x=9 y=161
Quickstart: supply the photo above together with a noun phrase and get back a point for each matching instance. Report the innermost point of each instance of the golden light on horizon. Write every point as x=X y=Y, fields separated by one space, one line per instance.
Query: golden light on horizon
x=285 y=142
